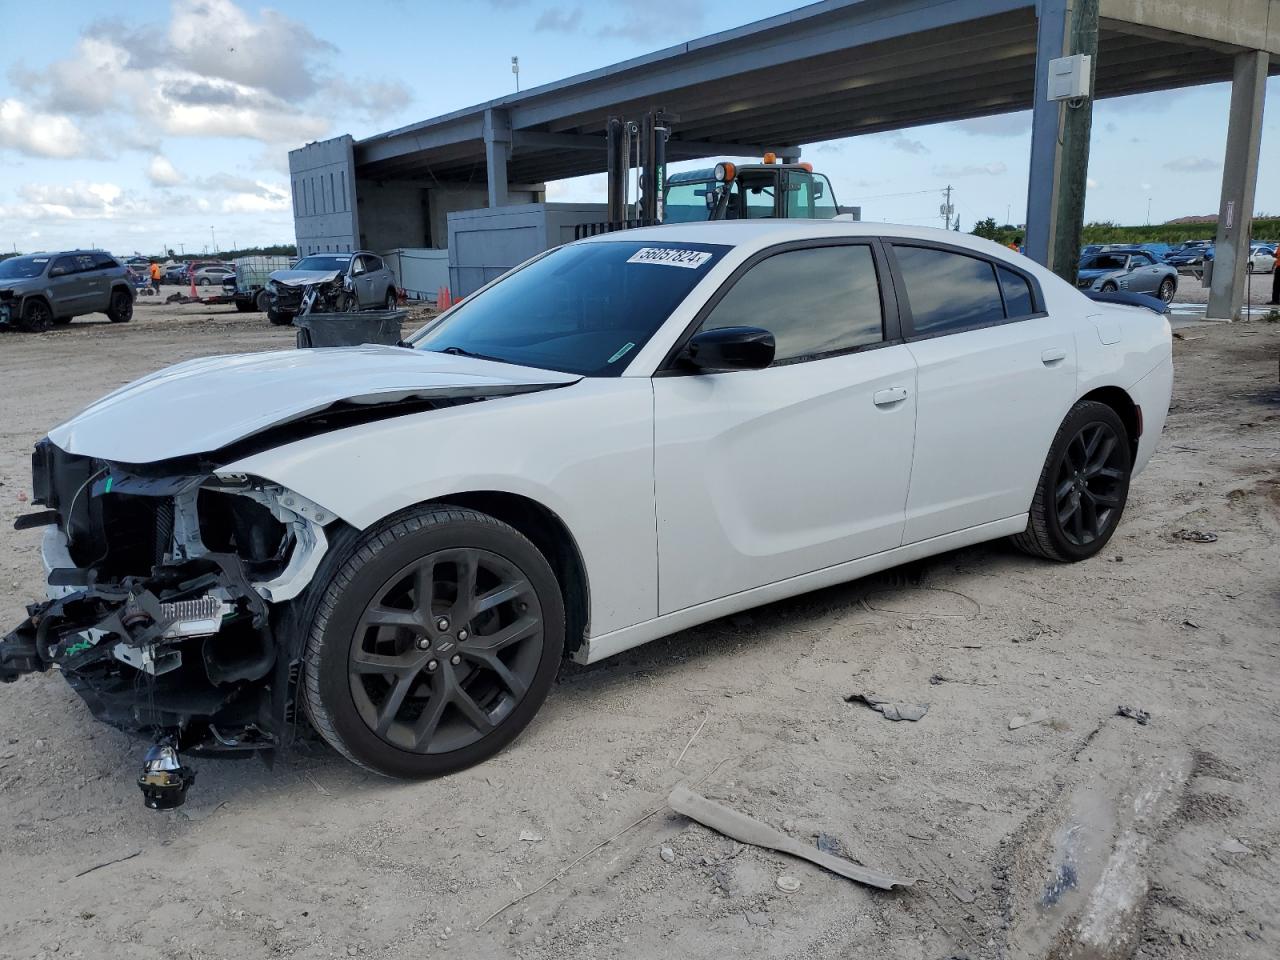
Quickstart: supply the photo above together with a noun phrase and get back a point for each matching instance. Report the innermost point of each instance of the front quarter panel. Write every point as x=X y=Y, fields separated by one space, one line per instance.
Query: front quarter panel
x=584 y=451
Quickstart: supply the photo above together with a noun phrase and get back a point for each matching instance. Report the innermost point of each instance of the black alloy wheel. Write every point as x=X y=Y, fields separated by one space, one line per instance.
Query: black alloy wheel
x=1083 y=487
x=1090 y=483
x=120 y=309
x=436 y=639
x=445 y=650
x=36 y=316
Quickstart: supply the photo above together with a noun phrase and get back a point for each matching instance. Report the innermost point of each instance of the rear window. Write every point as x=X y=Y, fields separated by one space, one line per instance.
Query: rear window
x=948 y=291
x=1017 y=293
x=586 y=308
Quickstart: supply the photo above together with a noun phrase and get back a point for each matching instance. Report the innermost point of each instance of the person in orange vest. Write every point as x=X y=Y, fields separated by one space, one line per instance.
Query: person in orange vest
x=1275 y=281
x=155 y=277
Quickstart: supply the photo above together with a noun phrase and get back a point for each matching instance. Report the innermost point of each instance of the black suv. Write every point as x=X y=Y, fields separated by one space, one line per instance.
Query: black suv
x=42 y=289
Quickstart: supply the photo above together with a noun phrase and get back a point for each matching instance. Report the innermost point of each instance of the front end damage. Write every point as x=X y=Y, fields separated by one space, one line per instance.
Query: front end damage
x=171 y=596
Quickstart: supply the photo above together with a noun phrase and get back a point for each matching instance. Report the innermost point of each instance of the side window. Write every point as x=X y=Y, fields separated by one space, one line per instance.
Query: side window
x=62 y=266
x=358 y=266
x=1017 y=294
x=815 y=301
x=372 y=264
x=104 y=261
x=824 y=198
x=1142 y=260
x=948 y=291
x=85 y=262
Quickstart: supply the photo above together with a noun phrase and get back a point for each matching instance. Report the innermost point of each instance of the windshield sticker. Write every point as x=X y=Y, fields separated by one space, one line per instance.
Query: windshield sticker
x=626 y=348
x=690 y=259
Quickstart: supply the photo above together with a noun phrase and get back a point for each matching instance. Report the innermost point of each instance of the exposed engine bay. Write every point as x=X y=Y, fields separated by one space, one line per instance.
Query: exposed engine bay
x=323 y=294
x=169 y=598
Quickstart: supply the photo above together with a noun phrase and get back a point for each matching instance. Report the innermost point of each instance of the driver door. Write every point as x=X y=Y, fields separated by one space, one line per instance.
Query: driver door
x=764 y=475
x=362 y=281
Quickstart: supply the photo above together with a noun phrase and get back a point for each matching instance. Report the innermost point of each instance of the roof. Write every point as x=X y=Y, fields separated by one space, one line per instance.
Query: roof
x=830 y=69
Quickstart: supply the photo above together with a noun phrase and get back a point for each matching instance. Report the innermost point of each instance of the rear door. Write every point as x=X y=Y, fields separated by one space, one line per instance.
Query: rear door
x=763 y=475
x=100 y=270
x=996 y=376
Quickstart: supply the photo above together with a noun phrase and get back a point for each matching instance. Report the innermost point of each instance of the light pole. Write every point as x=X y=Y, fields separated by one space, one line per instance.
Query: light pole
x=1148 y=211
x=213 y=237
x=515 y=68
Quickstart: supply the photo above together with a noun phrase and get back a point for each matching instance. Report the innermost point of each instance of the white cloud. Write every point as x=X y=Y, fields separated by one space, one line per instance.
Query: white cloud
x=162 y=173
x=994 y=169
x=1090 y=182
x=40 y=134
x=255 y=203
x=1192 y=165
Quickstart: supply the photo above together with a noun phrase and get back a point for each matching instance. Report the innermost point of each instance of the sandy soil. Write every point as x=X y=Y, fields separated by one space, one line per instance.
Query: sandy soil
x=1083 y=834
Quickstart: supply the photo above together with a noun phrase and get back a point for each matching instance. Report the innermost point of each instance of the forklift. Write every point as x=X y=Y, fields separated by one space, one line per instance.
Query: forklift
x=727 y=191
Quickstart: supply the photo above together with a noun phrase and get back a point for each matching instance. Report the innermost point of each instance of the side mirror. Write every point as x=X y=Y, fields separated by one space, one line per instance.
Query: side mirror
x=729 y=348
x=819 y=189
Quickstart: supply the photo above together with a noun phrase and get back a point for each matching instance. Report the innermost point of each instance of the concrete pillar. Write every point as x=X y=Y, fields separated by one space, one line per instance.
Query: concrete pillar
x=1046 y=120
x=497 y=148
x=1239 y=183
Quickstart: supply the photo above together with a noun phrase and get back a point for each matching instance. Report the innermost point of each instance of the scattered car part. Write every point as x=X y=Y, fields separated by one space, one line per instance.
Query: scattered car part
x=745 y=829
x=888 y=709
x=164 y=780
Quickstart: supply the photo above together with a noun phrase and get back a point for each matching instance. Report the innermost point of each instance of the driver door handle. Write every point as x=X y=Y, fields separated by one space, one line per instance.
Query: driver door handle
x=887 y=398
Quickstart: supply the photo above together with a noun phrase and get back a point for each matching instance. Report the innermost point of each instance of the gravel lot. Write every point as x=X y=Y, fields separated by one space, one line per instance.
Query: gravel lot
x=1080 y=833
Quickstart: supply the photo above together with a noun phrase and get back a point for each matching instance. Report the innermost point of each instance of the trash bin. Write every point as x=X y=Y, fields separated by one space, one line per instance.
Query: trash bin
x=349 y=329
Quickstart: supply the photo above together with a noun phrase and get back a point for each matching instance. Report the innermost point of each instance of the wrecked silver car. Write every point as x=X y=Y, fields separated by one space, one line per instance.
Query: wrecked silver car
x=330 y=283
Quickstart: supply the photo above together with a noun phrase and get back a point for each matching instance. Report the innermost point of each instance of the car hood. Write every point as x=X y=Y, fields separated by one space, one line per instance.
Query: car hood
x=21 y=284
x=300 y=278
x=203 y=405
x=1092 y=274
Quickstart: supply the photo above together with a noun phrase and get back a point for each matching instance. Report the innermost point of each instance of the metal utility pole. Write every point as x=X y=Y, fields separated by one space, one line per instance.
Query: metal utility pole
x=946 y=209
x=1077 y=127
x=213 y=238
x=515 y=68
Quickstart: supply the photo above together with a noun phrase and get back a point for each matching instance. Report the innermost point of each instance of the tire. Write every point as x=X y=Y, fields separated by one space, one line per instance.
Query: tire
x=1168 y=287
x=1055 y=531
x=421 y=696
x=203 y=281
x=279 y=319
x=36 y=316
x=1109 y=287
x=120 y=309
x=262 y=302
x=392 y=300
x=246 y=306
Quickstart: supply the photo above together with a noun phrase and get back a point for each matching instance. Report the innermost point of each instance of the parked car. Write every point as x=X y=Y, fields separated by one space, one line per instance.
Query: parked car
x=1262 y=258
x=621 y=438
x=44 y=289
x=332 y=282
x=176 y=273
x=1135 y=272
x=1191 y=254
x=211 y=273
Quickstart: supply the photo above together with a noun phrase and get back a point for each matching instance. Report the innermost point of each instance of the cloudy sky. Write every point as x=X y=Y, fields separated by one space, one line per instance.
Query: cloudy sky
x=142 y=125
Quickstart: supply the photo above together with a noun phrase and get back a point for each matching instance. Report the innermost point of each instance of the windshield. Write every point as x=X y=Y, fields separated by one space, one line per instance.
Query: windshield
x=584 y=308
x=1105 y=261
x=21 y=268
x=317 y=262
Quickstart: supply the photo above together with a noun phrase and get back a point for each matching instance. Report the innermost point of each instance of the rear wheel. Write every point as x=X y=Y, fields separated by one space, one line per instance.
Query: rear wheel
x=120 y=310
x=245 y=306
x=392 y=302
x=203 y=281
x=36 y=316
x=262 y=302
x=1083 y=487
x=1167 y=289
x=434 y=643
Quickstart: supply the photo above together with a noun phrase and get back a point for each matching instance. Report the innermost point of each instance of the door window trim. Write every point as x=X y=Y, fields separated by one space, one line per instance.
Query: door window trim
x=909 y=333
x=891 y=326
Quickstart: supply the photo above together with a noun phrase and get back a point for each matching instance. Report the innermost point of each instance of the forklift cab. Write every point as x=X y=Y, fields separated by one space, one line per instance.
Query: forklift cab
x=757 y=191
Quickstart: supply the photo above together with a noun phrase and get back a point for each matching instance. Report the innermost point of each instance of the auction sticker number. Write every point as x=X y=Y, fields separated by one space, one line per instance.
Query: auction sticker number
x=690 y=259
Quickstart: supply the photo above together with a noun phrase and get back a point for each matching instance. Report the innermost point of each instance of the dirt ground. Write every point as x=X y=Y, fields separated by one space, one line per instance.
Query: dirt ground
x=1078 y=834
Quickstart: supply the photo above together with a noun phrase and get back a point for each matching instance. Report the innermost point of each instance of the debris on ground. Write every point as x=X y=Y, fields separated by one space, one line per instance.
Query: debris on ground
x=1197 y=536
x=528 y=836
x=1133 y=713
x=1019 y=720
x=667 y=854
x=740 y=827
x=889 y=709
x=787 y=883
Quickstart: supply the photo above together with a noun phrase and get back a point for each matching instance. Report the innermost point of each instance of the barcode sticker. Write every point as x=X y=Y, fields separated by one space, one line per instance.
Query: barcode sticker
x=690 y=259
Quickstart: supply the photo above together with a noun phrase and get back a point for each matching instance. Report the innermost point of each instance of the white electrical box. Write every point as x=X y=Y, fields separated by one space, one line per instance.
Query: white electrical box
x=1069 y=77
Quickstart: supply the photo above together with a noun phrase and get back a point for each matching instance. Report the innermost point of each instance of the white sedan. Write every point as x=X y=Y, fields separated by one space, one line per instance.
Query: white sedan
x=622 y=438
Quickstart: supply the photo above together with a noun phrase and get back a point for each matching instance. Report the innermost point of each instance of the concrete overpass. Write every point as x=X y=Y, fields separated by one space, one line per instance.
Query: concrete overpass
x=833 y=69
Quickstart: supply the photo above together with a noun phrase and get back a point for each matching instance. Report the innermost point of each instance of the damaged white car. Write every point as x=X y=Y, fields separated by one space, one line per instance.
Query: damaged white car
x=622 y=438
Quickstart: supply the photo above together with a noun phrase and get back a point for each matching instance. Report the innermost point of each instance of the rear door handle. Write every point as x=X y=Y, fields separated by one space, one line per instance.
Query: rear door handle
x=1052 y=356
x=887 y=398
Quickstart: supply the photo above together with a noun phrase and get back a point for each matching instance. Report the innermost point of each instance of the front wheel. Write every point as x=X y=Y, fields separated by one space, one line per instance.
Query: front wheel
x=1109 y=288
x=36 y=316
x=1083 y=487
x=434 y=643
